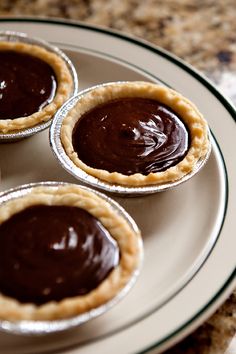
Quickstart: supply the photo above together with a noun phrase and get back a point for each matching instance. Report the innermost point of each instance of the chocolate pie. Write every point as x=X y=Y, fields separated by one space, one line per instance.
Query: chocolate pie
x=63 y=252
x=135 y=134
x=34 y=83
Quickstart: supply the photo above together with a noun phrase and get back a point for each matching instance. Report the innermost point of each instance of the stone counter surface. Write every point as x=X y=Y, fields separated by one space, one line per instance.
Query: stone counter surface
x=203 y=33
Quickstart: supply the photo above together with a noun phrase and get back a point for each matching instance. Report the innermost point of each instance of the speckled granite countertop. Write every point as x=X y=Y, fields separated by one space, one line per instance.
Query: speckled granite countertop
x=203 y=33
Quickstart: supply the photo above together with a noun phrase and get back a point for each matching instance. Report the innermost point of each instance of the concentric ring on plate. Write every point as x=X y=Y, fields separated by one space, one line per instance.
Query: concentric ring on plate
x=111 y=229
x=146 y=121
x=51 y=79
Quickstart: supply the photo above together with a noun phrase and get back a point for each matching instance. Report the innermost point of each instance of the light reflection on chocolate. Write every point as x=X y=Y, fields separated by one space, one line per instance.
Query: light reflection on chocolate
x=131 y=135
x=27 y=84
x=53 y=252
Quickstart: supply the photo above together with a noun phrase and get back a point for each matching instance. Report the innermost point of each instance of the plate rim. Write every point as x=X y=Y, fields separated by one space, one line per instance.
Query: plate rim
x=220 y=296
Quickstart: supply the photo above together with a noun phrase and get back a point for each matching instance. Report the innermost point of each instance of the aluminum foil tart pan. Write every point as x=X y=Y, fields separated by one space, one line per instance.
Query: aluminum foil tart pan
x=9 y=36
x=82 y=176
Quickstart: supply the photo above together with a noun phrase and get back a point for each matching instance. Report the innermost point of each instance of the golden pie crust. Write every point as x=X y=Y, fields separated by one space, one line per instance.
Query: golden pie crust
x=64 y=87
x=184 y=108
x=129 y=242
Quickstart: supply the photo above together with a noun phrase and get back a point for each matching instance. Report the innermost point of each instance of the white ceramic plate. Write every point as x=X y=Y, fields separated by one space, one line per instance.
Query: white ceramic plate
x=189 y=232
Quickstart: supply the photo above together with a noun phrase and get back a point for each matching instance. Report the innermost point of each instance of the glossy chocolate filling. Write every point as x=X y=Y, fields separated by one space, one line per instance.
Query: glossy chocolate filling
x=53 y=252
x=27 y=84
x=131 y=135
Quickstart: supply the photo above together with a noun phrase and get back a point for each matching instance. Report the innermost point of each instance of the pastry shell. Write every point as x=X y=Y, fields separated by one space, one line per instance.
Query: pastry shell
x=116 y=222
x=190 y=115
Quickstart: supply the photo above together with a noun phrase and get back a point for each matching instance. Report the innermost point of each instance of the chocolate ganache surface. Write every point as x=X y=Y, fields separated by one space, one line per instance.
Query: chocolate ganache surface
x=27 y=84
x=53 y=252
x=131 y=135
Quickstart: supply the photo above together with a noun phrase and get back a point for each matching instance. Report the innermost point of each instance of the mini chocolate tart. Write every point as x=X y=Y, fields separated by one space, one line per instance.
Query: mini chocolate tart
x=135 y=134
x=35 y=80
x=64 y=251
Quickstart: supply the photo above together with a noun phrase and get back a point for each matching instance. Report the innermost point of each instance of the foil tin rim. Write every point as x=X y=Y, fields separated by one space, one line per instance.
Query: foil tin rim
x=36 y=328
x=11 y=36
x=84 y=177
